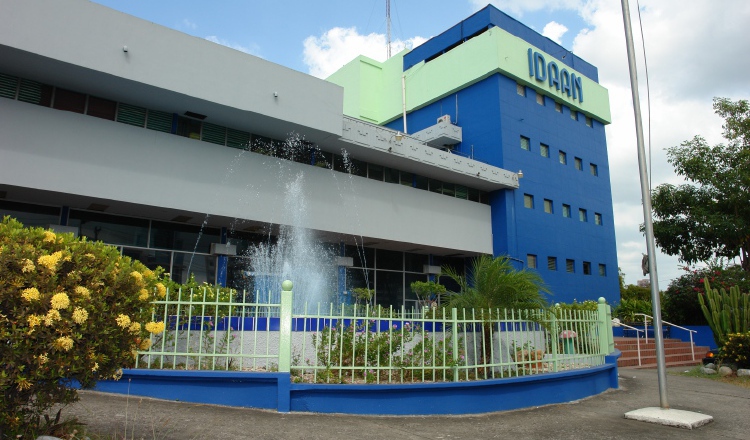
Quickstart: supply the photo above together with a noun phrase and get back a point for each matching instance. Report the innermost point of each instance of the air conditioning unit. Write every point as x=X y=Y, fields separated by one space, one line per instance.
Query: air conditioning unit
x=223 y=249
x=345 y=261
x=431 y=270
x=60 y=229
x=444 y=119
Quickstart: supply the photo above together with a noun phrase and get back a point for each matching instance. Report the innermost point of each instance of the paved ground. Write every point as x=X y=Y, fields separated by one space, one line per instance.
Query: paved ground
x=599 y=417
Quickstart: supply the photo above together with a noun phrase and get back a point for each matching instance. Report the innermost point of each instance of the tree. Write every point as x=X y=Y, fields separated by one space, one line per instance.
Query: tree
x=493 y=283
x=709 y=216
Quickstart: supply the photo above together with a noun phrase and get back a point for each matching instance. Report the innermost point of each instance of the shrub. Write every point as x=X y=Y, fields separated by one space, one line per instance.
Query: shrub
x=737 y=349
x=680 y=304
x=628 y=309
x=71 y=312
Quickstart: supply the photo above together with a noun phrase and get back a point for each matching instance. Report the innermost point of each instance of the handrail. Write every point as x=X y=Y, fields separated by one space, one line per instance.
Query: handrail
x=690 y=332
x=616 y=323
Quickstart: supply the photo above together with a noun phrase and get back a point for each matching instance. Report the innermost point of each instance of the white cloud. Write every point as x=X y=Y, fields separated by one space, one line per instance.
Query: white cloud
x=189 y=24
x=325 y=54
x=554 y=31
x=693 y=55
x=236 y=46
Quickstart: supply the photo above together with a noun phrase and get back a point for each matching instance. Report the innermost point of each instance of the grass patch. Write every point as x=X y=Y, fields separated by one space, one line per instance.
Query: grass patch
x=743 y=381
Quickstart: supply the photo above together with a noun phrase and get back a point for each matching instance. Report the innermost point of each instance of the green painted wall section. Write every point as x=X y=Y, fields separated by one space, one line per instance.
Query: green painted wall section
x=372 y=90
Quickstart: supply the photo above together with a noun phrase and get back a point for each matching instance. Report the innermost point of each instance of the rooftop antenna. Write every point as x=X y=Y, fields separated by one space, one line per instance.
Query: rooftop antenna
x=388 y=25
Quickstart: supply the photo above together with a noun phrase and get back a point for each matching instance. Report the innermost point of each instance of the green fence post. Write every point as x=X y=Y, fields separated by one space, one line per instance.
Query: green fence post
x=285 y=328
x=555 y=330
x=454 y=335
x=606 y=341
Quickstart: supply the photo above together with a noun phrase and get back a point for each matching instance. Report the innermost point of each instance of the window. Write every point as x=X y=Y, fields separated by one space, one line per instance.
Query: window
x=69 y=101
x=521 y=89
x=189 y=128
x=566 y=211
x=594 y=169
x=525 y=143
x=531 y=261
x=587 y=268
x=375 y=172
x=589 y=121
x=579 y=164
x=528 y=201
x=101 y=108
x=548 y=206
x=562 y=157
x=539 y=98
x=582 y=215
x=558 y=107
x=391 y=175
x=570 y=266
x=544 y=150
x=597 y=219
x=574 y=115
x=602 y=270
x=551 y=263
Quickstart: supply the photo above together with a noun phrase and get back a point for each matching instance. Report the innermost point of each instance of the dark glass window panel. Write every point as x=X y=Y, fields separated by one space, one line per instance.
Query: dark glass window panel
x=101 y=108
x=407 y=179
x=182 y=237
x=111 y=229
x=449 y=189
x=239 y=279
x=391 y=175
x=30 y=215
x=473 y=195
x=392 y=260
x=421 y=182
x=339 y=164
x=389 y=289
x=357 y=167
x=189 y=128
x=362 y=256
x=202 y=266
x=150 y=258
x=436 y=186
x=70 y=101
x=415 y=262
x=323 y=159
x=375 y=172
x=359 y=278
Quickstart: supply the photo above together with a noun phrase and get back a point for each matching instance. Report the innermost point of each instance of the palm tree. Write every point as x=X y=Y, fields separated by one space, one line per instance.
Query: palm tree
x=494 y=284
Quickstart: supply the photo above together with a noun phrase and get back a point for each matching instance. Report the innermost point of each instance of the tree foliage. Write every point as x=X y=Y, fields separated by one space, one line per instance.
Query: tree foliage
x=71 y=311
x=493 y=283
x=709 y=215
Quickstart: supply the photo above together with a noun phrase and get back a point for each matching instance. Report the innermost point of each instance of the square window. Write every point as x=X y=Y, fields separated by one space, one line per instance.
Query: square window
x=548 y=206
x=562 y=157
x=544 y=150
x=528 y=201
x=539 y=98
x=570 y=266
x=531 y=261
x=551 y=263
x=525 y=145
x=579 y=164
x=574 y=115
x=602 y=270
x=582 y=215
x=521 y=89
x=566 y=211
x=558 y=107
x=597 y=219
x=589 y=121
x=587 y=268
x=594 y=169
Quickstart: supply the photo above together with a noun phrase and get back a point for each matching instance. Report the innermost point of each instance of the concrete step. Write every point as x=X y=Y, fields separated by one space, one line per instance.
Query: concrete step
x=676 y=353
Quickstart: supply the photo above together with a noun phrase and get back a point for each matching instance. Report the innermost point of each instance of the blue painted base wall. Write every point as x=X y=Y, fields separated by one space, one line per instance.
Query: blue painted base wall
x=703 y=338
x=274 y=391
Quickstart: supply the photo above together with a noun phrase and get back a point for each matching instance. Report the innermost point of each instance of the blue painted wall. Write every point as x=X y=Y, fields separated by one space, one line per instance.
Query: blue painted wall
x=493 y=117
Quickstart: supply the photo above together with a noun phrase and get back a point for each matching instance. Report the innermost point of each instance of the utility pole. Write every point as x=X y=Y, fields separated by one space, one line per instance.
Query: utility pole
x=388 y=25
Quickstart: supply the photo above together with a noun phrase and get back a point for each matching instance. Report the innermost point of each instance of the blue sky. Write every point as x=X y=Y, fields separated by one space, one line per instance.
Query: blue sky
x=694 y=52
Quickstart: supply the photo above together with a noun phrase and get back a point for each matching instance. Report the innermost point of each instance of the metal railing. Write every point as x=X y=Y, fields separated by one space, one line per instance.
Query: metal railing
x=366 y=344
x=690 y=332
x=617 y=323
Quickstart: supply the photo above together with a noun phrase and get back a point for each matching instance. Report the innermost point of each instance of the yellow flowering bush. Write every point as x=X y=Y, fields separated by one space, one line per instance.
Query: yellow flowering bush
x=737 y=349
x=71 y=312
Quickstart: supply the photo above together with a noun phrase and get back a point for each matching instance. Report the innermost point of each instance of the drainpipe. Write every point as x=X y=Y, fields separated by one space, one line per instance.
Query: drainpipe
x=403 y=100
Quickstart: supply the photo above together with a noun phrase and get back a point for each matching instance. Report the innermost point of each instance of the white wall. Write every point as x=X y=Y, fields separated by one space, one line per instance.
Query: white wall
x=60 y=151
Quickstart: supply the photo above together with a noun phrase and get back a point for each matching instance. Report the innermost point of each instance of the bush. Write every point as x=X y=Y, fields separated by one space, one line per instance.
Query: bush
x=737 y=349
x=628 y=309
x=681 y=305
x=71 y=312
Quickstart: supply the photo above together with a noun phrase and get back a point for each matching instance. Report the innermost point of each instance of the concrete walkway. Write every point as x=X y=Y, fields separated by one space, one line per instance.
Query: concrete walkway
x=599 y=417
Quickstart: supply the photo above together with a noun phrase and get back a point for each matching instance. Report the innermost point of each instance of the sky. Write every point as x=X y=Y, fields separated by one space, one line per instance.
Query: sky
x=694 y=50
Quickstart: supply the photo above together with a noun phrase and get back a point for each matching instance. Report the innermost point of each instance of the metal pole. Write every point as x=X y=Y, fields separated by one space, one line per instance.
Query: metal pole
x=646 y=196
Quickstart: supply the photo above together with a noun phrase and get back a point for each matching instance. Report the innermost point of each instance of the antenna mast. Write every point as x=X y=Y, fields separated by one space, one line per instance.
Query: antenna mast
x=388 y=24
